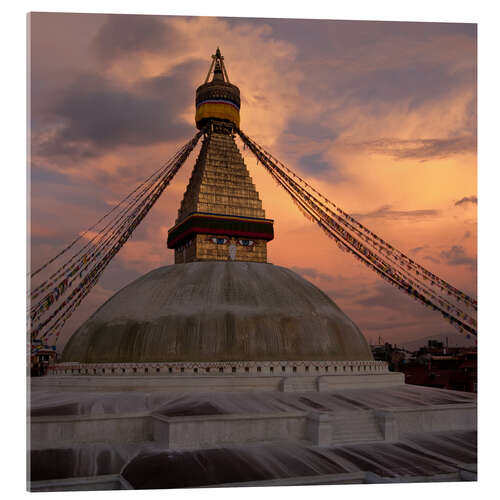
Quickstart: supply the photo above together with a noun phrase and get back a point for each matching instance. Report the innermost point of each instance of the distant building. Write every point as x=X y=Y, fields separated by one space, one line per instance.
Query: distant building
x=434 y=365
x=42 y=358
x=393 y=355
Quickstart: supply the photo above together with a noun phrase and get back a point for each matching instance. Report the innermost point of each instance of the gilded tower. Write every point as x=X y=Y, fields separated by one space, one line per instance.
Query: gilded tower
x=221 y=215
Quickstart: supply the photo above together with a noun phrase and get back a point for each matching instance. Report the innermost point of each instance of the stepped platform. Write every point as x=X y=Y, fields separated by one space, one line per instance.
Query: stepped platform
x=113 y=438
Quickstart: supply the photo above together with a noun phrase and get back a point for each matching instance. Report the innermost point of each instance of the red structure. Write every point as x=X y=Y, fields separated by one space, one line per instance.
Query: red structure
x=456 y=372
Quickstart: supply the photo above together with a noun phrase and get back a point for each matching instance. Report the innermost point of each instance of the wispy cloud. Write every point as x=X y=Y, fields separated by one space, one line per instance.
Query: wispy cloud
x=417 y=149
x=310 y=272
x=456 y=256
x=430 y=258
x=98 y=115
x=121 y=36
x=466 y=199
x=382 y=295
x=418 y=249
x=387 y=212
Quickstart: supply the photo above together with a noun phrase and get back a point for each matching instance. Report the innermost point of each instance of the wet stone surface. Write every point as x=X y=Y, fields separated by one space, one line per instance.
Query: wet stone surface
x=49 y=403
x=404 y=459
x=56 y=410
x=78 y=461
x=459 y=446
x=191 y=409
x=184 y=469
x=153 y=466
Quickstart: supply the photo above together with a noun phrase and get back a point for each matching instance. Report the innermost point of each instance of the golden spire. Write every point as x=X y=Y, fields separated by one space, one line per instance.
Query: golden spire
x=218 y=99
x=221 y=216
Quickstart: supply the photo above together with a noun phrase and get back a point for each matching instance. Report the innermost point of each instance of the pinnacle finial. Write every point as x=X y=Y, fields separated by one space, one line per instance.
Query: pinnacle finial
x=218 y=74
x=218 y=67
x=217 y=99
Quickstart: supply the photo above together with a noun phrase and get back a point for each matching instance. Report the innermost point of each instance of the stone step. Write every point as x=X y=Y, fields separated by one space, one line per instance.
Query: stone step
x=356 y=439
x=299 y=384
x=357 y=430
x=349 y=429
x=355 y=426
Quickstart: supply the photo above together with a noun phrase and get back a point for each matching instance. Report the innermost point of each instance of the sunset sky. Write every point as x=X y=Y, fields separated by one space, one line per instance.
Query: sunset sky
x=380 y=117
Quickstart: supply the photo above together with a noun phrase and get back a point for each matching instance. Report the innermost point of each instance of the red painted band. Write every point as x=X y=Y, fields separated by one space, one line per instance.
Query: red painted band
x=205 y=230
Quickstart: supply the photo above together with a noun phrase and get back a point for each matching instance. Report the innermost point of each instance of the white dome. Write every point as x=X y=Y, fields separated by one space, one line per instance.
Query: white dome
x=218 y=311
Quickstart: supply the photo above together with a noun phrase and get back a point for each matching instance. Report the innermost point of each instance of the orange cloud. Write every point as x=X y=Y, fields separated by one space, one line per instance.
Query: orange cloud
x=380 y=119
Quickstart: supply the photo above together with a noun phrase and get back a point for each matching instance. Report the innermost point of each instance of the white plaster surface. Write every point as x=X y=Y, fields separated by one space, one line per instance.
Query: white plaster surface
x=218 y=311
x=377 y=434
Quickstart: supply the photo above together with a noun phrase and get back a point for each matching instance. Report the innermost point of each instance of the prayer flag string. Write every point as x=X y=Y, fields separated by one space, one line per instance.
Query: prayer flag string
x=371 y=250
x=79 y=275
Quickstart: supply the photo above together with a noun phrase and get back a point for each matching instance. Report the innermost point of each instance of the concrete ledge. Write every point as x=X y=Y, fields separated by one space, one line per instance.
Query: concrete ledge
x=117 y=482
x=349 y=478
x=217 y=430
x=388 y=425
x=299 y=384
x=50 y=432
x=320 y=428
x=222 y=383
x=466 y=475
x=332 y=383
x=220 y=368
x=173 y=384
x=341 y=478
x=94 y=483
x=373 y=478
x=433 y=418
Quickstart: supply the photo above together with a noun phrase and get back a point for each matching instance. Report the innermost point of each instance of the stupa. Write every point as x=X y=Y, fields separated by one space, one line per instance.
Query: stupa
x=225 y=369
x=221 y=302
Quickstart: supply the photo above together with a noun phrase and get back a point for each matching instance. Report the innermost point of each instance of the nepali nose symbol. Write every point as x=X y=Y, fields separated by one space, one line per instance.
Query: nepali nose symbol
x=232 y=251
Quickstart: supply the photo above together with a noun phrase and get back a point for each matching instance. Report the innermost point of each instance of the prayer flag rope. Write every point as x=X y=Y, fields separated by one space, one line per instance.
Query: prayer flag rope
x=372 y=251
x=97 y=260
x=375 y=240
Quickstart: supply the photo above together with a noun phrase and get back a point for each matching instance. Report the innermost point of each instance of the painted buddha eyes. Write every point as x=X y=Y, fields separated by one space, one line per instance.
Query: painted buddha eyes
x=219 y=241
x=246 y=243
x=223 y=241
